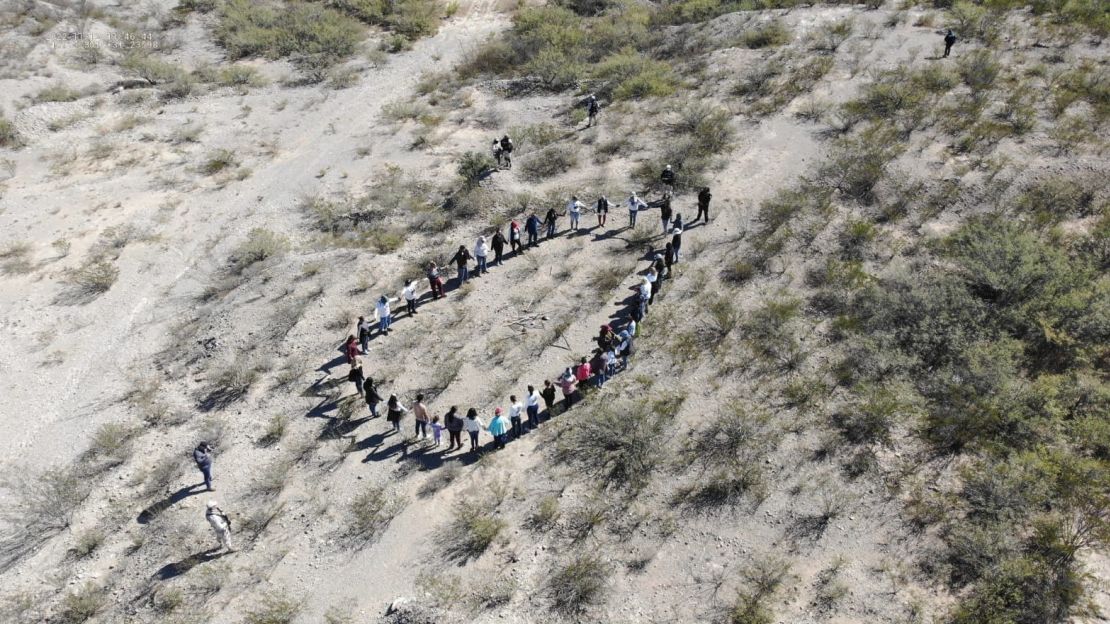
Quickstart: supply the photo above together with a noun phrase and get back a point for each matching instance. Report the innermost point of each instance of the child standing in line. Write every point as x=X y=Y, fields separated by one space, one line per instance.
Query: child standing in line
x=437 y=430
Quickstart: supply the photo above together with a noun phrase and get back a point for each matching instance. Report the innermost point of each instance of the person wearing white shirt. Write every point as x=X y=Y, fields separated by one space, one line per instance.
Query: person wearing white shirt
x=515 y=409
x=481 y=250
x=653 y=279
x=574 y=208
x=635 y=204
x=473 y=425
x=533 y=407
x=645 y=294
x=409 y=293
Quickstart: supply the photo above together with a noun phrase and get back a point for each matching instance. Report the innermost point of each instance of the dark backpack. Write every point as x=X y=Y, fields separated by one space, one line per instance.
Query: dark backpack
x=507 y=145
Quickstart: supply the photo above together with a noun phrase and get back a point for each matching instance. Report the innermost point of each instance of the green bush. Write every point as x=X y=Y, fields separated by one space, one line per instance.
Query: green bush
x=95 y=277
x=111 y=443
x=729 y=454
x=773 y=33
x=620 y=443
x=630 y=75
x=82 y=604
x=371 y=512
x=198 y=6
x=762 y=579
x=410 y=18
x=831 y=35
x=261 y=244
x=301 y=29
x=473 y=530
x=57 y=92
x=871 y=417
x=274 y=608
x=548 y=162
x=473 y=166
x=151 y=68
x=219 y=160
x=979 y=70
x=858 y=163
x=9 y=137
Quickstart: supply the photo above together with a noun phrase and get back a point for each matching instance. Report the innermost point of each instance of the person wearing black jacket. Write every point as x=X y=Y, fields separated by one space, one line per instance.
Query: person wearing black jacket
x=665 y=212
x=548 y=394
x=532 y=225
x=507 y=151
x=372 y=396
x=549 y=222
x=602 y=210
x=454 y=426
x=460 y=259
x=949 y=41
x=498 y=244
x=703 y=204
x=667 y=177
x=356 y=377
x=202 y=455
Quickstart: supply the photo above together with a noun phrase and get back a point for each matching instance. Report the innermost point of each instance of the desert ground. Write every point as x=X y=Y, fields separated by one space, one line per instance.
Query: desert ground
x=873 y=389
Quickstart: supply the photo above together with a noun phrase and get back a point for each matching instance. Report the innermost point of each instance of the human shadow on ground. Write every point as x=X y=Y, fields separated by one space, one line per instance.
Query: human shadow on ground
x=338 y=428
x=421 y=452
x=177 y=568
x=336 y=361
x=152 y=512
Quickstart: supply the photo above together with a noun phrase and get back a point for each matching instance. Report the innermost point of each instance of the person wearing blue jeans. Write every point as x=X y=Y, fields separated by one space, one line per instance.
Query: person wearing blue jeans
x=635 y=204
x=385 y=317
x=481 y=250
x=549 y=222
x=602 y=374
x=533 y=407
x=460 y=259
x=574 y=209
x=202 y=455
x=532 y=225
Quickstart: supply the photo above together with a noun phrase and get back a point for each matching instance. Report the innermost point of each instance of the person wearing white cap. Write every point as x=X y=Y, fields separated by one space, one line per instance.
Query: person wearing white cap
x=667 y=177
x=221 y=524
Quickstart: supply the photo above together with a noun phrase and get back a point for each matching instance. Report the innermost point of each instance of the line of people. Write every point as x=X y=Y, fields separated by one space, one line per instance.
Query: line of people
x=672 y=223
x=610 y=357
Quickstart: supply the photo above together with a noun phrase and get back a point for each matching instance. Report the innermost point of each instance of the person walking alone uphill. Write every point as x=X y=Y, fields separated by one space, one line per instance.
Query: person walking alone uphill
x=202 y=456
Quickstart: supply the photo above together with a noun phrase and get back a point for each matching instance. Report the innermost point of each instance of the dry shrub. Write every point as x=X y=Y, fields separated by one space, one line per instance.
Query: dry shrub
x=371 y=511
x=473 y=530
x=95 y=277
x=39 y=505
x=274 y=608
x=261 y=244
x=621 y=443
x=579 y=584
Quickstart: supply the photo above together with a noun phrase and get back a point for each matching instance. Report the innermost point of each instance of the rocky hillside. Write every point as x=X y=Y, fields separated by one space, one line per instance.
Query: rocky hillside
x=872 y=389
